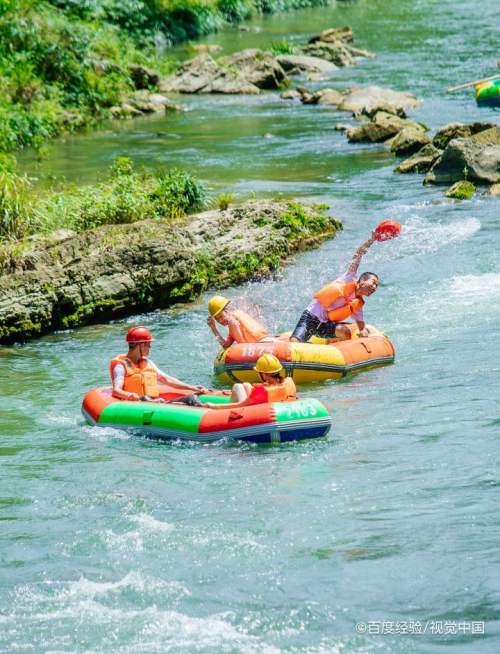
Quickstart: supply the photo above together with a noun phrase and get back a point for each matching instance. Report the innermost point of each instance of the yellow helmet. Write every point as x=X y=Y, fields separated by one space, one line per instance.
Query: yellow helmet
x=216 y=304
x=268 y=363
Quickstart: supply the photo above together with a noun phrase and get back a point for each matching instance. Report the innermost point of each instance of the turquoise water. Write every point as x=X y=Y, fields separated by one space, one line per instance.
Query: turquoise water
x=114 y=543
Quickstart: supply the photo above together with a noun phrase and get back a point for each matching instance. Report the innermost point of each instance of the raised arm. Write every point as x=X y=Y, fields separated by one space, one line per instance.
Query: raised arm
x=358 y=255
x=223 y=342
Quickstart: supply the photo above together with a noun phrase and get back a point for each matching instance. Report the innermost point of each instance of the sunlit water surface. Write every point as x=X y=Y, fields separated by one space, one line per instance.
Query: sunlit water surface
x=113 y=543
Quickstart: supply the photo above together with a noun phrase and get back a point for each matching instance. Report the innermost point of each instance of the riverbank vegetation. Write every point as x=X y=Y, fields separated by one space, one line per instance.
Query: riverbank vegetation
x=125 y=196
x=65 y=63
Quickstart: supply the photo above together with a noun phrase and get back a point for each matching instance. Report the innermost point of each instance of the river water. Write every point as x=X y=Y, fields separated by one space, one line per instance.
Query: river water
x=112 y=543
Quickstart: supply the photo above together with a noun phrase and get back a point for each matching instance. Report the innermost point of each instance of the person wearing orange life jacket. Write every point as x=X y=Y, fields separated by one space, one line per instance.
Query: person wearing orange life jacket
x=242 y=328
x=275 y=386
x=135 y=377
x=337 y=301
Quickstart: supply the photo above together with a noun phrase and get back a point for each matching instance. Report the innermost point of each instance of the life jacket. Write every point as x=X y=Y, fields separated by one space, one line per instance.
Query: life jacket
x=142 y=379
x=283 y=392
x=251 y=329
x=337 y=290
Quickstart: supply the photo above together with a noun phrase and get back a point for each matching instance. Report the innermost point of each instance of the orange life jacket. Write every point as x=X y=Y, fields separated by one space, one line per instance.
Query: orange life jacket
x=334 y=291
x=283 y=392
x=251 y=329
x=142 y=379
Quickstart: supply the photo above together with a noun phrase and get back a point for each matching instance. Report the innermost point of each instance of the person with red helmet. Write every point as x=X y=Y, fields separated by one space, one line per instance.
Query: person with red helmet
x=135 y=377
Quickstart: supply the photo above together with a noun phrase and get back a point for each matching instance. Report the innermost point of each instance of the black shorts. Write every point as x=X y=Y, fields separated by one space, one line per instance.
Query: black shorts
x=310 y=325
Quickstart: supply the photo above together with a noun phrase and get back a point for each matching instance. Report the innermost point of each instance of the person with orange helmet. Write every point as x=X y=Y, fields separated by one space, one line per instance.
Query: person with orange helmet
x=135 y=377
x=339 y=300
x=275 y=385
x=242 y=328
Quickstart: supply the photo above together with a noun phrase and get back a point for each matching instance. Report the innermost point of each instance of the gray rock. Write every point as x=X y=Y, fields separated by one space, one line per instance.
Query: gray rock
x=421 y=161
x=116 y=270
x=143 y=77
x=257 y=67
x=204 y=75
x=381 y=128
x=333 y=34
x=369 y=99
x=305 y=64
x=330 y=97
x=477 y=158
x=335 y=52
x=458 y=130
x=290 y=94
x=408 y=141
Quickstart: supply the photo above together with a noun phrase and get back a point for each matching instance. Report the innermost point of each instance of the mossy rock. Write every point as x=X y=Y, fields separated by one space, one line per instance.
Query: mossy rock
x=462 y=190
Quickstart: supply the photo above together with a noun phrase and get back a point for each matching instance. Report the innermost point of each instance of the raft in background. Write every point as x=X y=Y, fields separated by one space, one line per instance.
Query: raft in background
x=488 y=93
x=274 y=422
x=307 y=362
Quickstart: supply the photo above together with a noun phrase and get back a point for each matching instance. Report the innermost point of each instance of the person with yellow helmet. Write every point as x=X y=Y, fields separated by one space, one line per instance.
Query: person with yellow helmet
x=135 y=377
x=275 y=386
x=242 y=328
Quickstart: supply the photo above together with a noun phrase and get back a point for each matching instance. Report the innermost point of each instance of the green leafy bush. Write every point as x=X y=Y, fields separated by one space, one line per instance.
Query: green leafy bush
x=127 y=196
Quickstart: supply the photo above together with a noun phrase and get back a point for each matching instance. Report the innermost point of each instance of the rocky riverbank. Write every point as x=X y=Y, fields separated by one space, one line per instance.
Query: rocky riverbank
x=459 y=154
x=70 y=279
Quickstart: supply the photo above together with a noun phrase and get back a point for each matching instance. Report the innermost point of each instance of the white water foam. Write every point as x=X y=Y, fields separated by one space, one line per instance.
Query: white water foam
x=422 y=236
x=134 y=540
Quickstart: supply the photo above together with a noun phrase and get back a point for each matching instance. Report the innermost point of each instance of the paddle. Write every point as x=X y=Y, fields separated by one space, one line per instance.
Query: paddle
x=386 y=230
x=473 y=83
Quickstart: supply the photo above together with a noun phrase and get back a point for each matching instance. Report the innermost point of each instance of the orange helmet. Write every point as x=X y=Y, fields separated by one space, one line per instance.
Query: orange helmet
x=139 y=335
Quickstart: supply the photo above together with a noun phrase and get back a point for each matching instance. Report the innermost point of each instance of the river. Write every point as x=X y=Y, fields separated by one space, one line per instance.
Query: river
x=381 y=538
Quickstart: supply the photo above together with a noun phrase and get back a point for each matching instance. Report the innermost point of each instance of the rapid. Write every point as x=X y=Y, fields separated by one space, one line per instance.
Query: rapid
x=112 y=543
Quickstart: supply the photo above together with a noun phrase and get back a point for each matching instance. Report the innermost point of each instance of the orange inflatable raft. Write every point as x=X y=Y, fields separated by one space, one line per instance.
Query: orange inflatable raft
x=317 y=360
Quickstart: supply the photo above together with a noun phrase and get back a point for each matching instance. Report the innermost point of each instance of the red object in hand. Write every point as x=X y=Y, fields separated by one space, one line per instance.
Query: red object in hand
x=387 y=229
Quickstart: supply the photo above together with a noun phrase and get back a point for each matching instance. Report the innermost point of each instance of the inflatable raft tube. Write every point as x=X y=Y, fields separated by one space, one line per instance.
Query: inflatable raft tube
x=488 y=93
x=275 y=422
x=317 y=360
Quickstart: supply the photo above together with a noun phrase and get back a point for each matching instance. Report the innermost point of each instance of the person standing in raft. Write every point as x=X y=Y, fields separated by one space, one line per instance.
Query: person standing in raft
x=337 y=301
x=135 y=377
x=275 y=386
x=242 y=327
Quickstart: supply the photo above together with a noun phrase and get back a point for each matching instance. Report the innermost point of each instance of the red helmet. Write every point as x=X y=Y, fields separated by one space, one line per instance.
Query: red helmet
x=139 y=335
x=387 y=229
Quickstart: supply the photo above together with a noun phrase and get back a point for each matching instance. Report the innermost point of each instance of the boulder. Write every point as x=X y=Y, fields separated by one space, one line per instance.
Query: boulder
x=205 y=47
x=142 y=77
x=408 y=141
x=421 y=161
x=367 y=100
x=359 y=52
x=306 y=64
x=191 y=76
x=148 y=102
x=333 y=34
x=476 y=157
x=329 y=97
x=462 y=190
x=116 y=270
x=290 y=94
x=381 y=128
x=335 y=52
x=204 y=75
x=495 y=189
x=257 y=67
x=458 y=130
